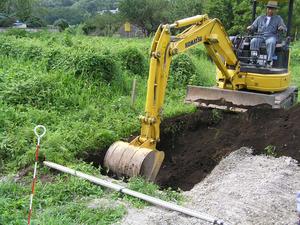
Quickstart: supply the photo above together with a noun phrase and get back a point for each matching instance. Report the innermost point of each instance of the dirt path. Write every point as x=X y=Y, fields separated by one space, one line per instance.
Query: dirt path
x=242 y=189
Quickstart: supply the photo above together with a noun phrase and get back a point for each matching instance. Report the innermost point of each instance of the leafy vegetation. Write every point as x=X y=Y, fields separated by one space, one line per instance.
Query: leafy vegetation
x=61 y=24
x=140 y=185
x=106 y=24
x=60 y=200
x=133 y=60
x=271 y=150
x=73 y=11
x=146 y=14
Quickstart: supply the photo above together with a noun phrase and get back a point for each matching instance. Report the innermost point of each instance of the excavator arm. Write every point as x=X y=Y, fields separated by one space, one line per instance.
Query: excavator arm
x=201 y=30
x=140 y=157
x=211 y=33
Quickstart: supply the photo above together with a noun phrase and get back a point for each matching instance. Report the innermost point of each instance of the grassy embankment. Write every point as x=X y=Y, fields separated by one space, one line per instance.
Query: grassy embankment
x=79 y=88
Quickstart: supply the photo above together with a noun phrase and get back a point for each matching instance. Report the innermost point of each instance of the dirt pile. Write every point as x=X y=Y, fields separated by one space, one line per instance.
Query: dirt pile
x=194 y=144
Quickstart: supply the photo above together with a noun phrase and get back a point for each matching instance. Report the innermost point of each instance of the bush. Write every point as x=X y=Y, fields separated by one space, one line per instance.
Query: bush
x=97 y=66
x=33 y=52
x=199 y=52
x=67 y=40
x=182 y=69
x=100 y=66
x=89 y=28
x=5 y=48
x=35 y=22
x=7 y=21
x=295 y=54
x=133 y=60
x=61 y=24
x=205 y=72
x=18 y=33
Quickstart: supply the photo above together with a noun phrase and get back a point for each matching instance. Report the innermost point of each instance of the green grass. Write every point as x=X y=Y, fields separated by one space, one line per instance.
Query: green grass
x=295 y=69
x=64 y=199
x=295 y=65
x=140 y=185
x=61 y=200
x=79 y=213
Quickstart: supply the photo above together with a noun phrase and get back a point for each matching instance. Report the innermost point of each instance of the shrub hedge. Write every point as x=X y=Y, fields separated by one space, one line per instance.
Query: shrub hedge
x=133 y=60
x=94 y=62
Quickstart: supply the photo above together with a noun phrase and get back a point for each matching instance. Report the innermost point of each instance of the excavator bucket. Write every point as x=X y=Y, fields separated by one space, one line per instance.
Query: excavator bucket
x=239 y=101
x=127 y=160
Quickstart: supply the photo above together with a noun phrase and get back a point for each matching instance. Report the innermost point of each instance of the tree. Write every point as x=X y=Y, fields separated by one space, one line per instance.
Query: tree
x=296 y=20
x=242 y=15
x=182 y=9
x=35 y=22
x=221 y=9
x=61 y=24
x=70 y=14
x=22 y=9
x=106 y=24
x=147 y=14
x=67 y=3
x=283 y=11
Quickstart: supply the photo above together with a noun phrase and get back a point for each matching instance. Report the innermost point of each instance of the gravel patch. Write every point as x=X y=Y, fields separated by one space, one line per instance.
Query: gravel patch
x=242 y=189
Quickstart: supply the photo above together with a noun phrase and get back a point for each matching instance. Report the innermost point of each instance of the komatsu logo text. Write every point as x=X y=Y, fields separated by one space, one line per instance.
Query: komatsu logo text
x=193 y=42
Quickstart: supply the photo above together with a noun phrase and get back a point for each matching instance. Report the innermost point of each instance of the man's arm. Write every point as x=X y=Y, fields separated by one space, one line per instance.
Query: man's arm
x=281 y=25
x=254 y=25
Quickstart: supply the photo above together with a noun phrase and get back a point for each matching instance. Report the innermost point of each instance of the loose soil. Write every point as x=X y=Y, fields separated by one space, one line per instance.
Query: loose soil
x=194 y=144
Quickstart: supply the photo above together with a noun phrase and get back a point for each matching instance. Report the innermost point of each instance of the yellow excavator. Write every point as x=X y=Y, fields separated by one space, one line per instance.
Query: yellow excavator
x=238 y=82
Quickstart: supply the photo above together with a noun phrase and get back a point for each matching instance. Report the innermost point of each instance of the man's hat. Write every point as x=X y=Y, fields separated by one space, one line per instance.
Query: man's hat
x=272 y=4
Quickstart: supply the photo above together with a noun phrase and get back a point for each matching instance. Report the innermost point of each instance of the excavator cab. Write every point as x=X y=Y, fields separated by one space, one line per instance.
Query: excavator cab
x=241 y=46
x=245 y=55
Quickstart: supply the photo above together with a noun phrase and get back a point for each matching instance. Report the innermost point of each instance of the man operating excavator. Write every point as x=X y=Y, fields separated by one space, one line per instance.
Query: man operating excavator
x=267 y=26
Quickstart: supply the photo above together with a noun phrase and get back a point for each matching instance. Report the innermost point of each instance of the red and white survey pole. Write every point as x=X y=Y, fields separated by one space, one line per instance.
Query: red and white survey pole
x=39 y=134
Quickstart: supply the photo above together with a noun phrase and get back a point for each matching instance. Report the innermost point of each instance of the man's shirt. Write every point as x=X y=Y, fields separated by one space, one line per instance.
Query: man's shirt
x=268 y=27
x=268 y=20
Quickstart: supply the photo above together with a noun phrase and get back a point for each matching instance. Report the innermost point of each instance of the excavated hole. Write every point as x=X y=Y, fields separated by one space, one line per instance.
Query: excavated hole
x=194 y=144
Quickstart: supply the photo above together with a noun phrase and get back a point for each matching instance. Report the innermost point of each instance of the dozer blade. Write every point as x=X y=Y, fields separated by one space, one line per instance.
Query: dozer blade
x=239 y=100
x=124 y=159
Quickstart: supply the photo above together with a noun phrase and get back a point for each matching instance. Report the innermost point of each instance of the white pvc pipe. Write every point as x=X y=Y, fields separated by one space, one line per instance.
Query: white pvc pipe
x=144 y=197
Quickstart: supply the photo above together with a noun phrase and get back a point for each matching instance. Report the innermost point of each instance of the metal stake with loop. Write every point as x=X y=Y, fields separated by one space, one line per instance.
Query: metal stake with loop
x=39 y=135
